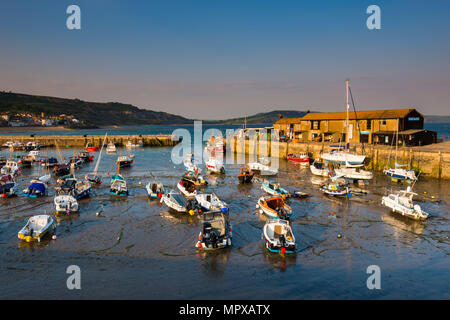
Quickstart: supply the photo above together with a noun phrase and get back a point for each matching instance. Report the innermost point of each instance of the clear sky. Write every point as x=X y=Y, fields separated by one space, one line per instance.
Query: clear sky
x=214 y=59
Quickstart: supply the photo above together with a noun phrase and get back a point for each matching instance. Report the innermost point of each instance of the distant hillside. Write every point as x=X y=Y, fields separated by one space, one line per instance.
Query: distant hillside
x=431 y=119
x=110 y=113
x=262 y=118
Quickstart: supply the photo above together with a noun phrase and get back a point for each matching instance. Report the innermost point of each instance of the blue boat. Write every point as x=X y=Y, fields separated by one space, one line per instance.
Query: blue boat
x=35 y=190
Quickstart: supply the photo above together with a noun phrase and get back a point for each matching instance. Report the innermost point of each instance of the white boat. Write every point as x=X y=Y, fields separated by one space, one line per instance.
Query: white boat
x=155 y=189
x=8 y=144
x=211 y=202
x=45 y=178
x=118 y=185
x=216 y=232
x=354 y=172
x=190 y=165
x=279 y=237
x=214 y=145
x=177 y=202
x=82 y=189
x=401 y=202
x=131 y=144
x=274 y=207
x=336 y=187
x=318 y=168
x=34 y=154
x=66 y=204
x=400 y=174
x=274 y=188
x=262 y=168
x=187 y=187
x=214 y=165
x=111 y=148
x=11 y=168
x=36 y=228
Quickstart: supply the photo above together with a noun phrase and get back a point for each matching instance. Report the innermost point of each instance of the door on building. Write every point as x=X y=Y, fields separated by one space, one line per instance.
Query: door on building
x=364 y=138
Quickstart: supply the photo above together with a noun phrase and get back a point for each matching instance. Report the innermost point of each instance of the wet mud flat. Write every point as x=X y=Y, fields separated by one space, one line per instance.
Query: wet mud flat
x=135 y=248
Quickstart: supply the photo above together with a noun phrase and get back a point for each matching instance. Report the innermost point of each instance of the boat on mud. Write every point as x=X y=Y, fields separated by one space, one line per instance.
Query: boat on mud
x=187 y=187
x=66 y=204
x=279 y=237
x=214 y=165
x=318 y=168
x=36 y=189
x=155 y=189
x=118 y=185
x=211 y=202
x=274 y=207
x=401 y=202
x=11 y=167
x=216 y=232
x=177 y=202
x=245 y=175
x=301 y=158
x=8 y=186
x=195 y=178
x=37 y=227
x=274 y=188
x=124 y=161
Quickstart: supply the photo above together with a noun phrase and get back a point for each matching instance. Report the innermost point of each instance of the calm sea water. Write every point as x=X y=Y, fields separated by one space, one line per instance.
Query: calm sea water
x=137 y=249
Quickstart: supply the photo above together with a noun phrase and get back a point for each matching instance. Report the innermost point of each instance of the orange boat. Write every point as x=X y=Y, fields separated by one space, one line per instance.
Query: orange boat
x=246 y=175
x=91 y=148
x=274 y=207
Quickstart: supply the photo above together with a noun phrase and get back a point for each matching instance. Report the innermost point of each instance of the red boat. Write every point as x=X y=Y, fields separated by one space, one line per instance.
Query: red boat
x=90 y=148
x=300 y=158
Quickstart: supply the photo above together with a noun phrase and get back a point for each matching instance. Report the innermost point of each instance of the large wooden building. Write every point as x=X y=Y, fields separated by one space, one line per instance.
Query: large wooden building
x=373 y=127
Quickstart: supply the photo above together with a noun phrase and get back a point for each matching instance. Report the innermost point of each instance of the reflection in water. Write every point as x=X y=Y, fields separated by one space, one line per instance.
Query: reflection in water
x=279 y=261
x=400 y=223
x=214 y=262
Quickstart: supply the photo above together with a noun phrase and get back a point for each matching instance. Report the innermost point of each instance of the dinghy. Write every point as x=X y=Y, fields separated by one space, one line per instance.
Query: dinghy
x=336 y=188
x=155 y=189
x=211 y=202
x=124 y=161
x=118 y=185
x=245 y=175
x=91 y=148
x=402 y=203
x=187 y=187
x=177 y=202
x=36 y=189
x=318 y=168
x=274 y=188
x=37 y=227
x=274 y=207
x=216 y=232
x=279 y=237
x=11 y=168
x=65 y=204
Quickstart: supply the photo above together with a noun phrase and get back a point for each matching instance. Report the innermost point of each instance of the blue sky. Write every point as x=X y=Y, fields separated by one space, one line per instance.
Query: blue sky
x=219 y=59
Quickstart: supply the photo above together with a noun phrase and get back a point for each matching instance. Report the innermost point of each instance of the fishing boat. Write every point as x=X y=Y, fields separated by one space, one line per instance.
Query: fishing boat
x=11 y=167
x=274 y=207
x=279 y=237
x=76 y=162
x=301 y=158
x=66 y=186
x=336 y=187
x=187 y=187
x=37 y=227
x=26 y=161
x=118 y=185
x=177 y=202
x=124 y=161
x=245 y=175
x=214 y=165
x=155 y=189
x=111 y=148
x=81 y=189
x=211 y=202
x=93 y=177
x=401 y=202
x=214 y=145
x=33 y=154
x=131 y=144
x=66 y=204
x=263 y=169
x=274 y=188
x=354 y=172
x=195 y=178
x=36 y=189
x=216 y=232
x=318 y=168
x=90 y=148
x=86 y=156
x=8 y=186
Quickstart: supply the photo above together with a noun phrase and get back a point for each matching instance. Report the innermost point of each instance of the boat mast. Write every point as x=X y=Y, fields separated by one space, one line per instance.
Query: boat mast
x=100 y=155
x=348 y=106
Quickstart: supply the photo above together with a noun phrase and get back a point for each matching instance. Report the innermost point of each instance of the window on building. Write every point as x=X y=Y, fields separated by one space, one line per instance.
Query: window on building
x=369 y=124
x=383 y=122
x=315 y=125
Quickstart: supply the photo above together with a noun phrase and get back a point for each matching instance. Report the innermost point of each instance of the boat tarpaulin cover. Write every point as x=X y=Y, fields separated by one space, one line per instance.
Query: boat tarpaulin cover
x=37 y=186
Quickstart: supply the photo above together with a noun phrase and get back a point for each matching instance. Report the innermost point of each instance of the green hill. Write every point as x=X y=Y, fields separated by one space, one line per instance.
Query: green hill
x=262 y=118
x=96 y=113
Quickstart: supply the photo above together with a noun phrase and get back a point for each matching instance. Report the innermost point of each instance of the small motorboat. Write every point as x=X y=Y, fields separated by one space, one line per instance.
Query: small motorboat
x=274 y=188
x=301 y=158
x=118 y=185
x=195 y=178
x=37 y=227
x=279 y=237
x=67 y=186
x=177 y=202
x=263 y=169
x=124 y=161
x=318 y=168
x=36 y=189
x=34 y=154
x=49 y=162
x=155 y=189
x=11 y=168
x=190 y=165
x=111 y=148
x=85 y=156
x=63 y=179
x=187 y=187
x=32 y=145
x=214 y=165
x=274 y=207
x=8 y=186
x=66 y=204
x=45 y=178
x=131 y=144
x=26 y=161
x=354 y=172
x=335 y=188
x=91 y=148
x=76 y=162
x=401 y=202
x=211 y=202
x=400 y=174
x=81 y=189
x=245 y=175
x=216 y=232
x=93 y=178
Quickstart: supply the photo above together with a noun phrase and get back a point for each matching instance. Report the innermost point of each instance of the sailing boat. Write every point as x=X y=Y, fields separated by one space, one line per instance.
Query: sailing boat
x=93 y=177
x=398 y=173
x=344 y=156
